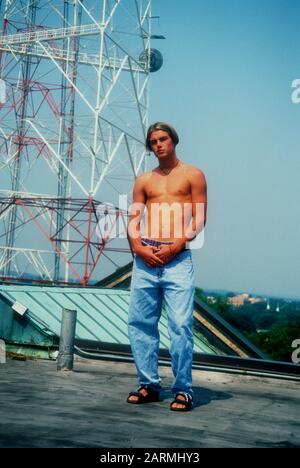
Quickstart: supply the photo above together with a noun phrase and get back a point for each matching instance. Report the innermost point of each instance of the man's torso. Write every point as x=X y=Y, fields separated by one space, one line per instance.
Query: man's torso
x=168 y=203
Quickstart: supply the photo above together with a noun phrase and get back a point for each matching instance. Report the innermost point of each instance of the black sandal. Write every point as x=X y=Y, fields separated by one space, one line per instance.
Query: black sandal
x=187 y=402
x=152 y=395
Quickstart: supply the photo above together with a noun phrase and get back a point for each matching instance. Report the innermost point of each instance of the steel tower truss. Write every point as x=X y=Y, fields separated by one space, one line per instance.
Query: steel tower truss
x=73 y=116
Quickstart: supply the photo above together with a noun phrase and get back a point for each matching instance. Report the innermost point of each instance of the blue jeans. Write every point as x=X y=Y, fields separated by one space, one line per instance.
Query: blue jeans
x=173 y=283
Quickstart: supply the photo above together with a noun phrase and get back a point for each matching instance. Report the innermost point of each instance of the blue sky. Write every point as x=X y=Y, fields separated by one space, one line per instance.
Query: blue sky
x=226 y=87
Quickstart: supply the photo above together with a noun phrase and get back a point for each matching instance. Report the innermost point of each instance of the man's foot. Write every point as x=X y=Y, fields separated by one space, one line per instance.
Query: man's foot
x=182 y=402
x=145 y=394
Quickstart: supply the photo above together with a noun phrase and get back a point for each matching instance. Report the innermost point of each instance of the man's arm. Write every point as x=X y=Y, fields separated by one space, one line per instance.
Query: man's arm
x=199 y=204
x=134 y=226
x=136 y=212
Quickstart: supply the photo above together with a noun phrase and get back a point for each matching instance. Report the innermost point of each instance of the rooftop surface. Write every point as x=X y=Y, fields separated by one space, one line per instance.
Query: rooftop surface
x=87 y=408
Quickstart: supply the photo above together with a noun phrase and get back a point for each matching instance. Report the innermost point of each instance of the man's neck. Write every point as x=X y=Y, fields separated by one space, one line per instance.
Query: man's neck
x=168 y=163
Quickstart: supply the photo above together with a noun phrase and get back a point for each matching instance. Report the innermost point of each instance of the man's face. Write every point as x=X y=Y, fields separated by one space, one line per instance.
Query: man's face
x=161 y=144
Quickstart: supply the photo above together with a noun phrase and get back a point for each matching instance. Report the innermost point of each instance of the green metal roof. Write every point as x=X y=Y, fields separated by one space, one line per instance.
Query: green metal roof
x=101 y=313
x=224 y=338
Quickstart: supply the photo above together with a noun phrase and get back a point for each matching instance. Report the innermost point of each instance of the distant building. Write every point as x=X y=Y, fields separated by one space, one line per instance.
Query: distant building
x=255 y=300
x=241 y=299
x=238 y=300
x=211 y=299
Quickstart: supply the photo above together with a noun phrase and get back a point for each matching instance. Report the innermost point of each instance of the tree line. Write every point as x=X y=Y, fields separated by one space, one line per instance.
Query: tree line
x=273 y=332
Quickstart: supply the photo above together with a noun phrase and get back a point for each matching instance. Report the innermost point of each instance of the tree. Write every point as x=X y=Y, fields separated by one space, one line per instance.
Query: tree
x=277 y=342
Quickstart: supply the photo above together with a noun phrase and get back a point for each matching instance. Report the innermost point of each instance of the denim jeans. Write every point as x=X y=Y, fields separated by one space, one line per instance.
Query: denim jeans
x=172 y=283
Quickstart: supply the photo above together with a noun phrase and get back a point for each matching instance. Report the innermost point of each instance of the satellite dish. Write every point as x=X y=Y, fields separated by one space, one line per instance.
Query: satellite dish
x=152 y=58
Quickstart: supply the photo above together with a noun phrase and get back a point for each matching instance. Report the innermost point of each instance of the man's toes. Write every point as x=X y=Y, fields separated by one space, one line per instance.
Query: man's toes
x=133 y=398
x=177 y=405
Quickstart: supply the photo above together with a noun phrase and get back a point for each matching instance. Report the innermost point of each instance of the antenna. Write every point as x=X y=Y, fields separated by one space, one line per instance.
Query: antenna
x=73 y=117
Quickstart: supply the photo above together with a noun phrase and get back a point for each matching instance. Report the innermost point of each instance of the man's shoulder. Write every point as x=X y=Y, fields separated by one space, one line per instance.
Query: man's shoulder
x=144 y=176
x=192 y=170
x=142 y=179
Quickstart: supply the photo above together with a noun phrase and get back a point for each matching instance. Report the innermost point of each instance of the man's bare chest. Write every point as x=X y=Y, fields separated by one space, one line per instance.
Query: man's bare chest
x=170 y=187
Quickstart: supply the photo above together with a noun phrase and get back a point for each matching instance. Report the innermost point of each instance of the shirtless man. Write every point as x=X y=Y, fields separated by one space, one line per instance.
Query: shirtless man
x=172 y=199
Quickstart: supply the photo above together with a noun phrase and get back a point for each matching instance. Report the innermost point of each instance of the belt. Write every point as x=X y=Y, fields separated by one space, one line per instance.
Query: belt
x=154 y=242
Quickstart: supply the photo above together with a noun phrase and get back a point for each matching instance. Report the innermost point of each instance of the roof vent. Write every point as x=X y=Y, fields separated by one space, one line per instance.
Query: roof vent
x=19 y=308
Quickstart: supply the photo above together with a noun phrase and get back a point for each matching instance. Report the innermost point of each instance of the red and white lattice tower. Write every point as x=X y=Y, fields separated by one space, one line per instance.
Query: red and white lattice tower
x=73 y=114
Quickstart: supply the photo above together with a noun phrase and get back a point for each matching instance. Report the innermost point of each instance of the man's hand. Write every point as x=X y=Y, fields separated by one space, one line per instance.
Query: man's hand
x=149 y=255
x=165 y=253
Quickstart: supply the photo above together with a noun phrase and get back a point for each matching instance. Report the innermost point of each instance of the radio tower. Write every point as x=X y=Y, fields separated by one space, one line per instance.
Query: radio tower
x=73 y=114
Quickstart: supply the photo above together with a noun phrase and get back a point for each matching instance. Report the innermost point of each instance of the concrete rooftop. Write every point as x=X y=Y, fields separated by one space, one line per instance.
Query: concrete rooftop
x=41 y=407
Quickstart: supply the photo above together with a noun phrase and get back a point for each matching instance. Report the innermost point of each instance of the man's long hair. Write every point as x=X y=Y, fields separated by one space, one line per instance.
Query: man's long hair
x=164 y=127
